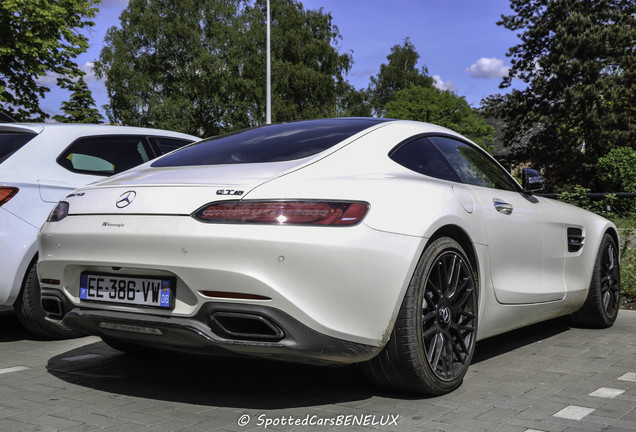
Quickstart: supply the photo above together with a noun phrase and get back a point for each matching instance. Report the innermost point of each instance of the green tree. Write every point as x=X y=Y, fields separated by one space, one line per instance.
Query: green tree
x=39 y=37
x=617 y=169
x=443 y=108
x=80 y=108
x=307 y=68
x=165 y=68
x=354 y=103
x=578 y=61
x=398 y=74
x=198 y=66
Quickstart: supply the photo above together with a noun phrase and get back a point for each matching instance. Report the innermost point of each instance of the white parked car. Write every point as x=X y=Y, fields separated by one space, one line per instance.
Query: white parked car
x=39 y=165
x=395 y=244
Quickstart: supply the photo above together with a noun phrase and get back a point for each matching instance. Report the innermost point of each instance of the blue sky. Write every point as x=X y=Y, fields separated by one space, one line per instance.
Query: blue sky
x=458 y=40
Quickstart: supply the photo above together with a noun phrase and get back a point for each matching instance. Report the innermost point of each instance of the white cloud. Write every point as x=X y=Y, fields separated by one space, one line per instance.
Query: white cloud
x=444 y=85
x=488 y=68
x=114 y=3
x=90 y=77
x=50 y=79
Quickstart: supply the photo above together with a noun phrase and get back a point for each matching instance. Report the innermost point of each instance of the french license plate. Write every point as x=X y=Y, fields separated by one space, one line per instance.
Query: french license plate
x=154 y=292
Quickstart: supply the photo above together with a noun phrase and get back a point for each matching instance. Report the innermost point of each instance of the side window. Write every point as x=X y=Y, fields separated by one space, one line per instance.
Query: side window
x=474 y=166
x=421 y=155
x=166 y=145
x=104 y=155
x=12 y=142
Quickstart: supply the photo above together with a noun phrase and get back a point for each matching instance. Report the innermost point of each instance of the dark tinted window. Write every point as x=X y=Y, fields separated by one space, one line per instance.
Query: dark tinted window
x=273 y=143
x=421 y=155
x=166 y=145
x=473 y=166
x=105 y=155
x=10 y=142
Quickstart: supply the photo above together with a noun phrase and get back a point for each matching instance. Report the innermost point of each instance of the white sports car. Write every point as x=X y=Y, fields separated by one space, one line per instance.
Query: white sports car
x=395 y=244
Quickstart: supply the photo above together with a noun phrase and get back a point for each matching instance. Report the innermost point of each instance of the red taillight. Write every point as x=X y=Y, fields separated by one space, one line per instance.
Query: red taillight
x=6 y=193
x=338 y=213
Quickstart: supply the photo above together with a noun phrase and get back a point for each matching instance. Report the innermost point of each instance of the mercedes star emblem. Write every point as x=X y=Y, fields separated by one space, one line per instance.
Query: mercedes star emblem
x=125 y=199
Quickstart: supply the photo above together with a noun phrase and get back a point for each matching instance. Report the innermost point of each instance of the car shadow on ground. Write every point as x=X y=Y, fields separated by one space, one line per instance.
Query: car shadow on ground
x=246 y=383
x=501 y=344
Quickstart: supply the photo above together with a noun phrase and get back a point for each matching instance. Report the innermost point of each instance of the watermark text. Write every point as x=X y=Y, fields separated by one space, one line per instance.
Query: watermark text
x=265 y=421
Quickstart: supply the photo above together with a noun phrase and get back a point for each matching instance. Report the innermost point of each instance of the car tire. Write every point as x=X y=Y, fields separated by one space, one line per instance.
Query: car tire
x=28 y=308
x=433 y=339
x=603 y=298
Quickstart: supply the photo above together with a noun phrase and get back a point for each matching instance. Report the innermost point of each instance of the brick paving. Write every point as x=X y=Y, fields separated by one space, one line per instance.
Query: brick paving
x=548 y=377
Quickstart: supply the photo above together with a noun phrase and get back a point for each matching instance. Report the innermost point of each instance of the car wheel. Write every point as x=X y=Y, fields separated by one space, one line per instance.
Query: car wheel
x=28 y=309
x=433 y=339
x=603 y=298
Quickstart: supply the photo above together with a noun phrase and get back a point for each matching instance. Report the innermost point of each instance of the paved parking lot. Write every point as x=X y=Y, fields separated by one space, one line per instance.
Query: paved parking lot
x=548 y=377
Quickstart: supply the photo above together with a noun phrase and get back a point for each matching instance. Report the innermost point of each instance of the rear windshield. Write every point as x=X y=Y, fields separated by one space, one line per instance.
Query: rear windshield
x=273 y=143
x=10 y=142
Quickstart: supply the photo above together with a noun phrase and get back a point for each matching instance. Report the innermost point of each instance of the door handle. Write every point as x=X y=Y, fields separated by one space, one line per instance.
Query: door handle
x=502 y=206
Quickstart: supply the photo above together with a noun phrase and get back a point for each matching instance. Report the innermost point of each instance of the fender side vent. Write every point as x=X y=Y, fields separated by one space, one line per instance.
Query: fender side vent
x=575 y=239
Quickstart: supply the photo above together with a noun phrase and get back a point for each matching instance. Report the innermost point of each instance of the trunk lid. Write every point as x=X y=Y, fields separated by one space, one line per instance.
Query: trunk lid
x=175 y=190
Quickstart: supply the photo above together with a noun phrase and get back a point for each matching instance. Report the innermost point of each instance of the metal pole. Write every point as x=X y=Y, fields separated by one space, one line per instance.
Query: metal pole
x=269 y=71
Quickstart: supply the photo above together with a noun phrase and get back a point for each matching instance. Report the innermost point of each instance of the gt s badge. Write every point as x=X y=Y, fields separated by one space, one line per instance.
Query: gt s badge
x=229 y=192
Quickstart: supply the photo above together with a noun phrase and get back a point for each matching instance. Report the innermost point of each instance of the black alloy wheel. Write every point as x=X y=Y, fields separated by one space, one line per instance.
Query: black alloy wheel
x=610 y=279
x=433 y=339
x=603 y=298
x=449 y=316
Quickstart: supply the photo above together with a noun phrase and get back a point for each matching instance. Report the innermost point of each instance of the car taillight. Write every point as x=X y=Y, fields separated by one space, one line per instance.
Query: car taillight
x=59 y=212
x=6 y=193
x=338 y=213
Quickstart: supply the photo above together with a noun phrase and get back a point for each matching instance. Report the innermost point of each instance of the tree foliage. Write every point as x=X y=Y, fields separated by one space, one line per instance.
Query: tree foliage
x=39 y=37
x=398 y=74
x=354 y=103
x=617 y=169
x=198 y=66
x=578 y=60
x=80 y=108
x=444 y=108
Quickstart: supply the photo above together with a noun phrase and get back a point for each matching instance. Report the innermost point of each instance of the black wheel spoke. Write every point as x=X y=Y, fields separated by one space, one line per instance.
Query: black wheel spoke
x=461 y=291
x=429 y=302
x=437 y=287
x=453 y=277
x=426 y=318
x=468 y=315
x=466 y=328
x=449 y=357
x=461 y=302
x=448 y=317
x=428 y=333
x=436 y=350
x=460 y=352
x=610 y=280
x=459 y=346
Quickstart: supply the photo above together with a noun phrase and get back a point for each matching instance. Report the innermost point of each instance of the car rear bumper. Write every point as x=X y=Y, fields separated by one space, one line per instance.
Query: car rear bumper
x=217 y=329
x=345 y=283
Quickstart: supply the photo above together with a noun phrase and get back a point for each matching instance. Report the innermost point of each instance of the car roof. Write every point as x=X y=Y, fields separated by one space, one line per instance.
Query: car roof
x=49 y=139
x=92 y=129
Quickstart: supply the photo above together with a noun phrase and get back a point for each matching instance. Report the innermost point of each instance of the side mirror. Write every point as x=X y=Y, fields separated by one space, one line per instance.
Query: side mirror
x=532 y=180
